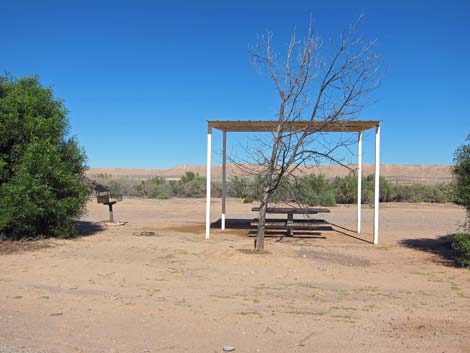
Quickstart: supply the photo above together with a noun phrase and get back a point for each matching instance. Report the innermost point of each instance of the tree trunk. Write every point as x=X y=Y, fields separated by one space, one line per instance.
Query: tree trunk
x=259 y=245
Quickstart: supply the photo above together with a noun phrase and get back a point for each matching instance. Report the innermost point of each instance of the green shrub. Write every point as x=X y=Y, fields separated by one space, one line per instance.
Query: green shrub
x=141 y=188
x=461 y=172
x=176 y=188
x=284 y=192
x=188 y=177
x=216 y=188
x=42 y=184
x=423 y=193
x=257 y=187
x=162 y=192
x=315 y=190
x=194 y=188
x=328 y=198
x=238 y=187
x=346 y=189
x=312 y=199
x=126 y=186
x=248 y=199
x=461 y=248
x=386 y=190
x=367 y=196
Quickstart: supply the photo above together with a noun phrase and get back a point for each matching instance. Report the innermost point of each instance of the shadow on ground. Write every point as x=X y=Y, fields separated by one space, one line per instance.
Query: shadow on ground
x=86 y=228
x=440 y=246
x=318 y=228
x=14 y=246
x=234 y=223
x=244 y=223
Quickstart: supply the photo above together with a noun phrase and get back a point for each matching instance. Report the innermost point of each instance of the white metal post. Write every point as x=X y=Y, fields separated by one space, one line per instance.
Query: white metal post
x=208 y=185
x=359 y=181
x=224 y=177
x=377 y=181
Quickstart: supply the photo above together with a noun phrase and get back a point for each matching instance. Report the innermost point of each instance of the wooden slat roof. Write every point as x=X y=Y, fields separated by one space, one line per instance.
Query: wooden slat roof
x=299 y=125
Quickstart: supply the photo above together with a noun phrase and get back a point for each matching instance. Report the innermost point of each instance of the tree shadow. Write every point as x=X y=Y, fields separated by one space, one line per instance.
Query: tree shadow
x=86 y=228
x=440 y=246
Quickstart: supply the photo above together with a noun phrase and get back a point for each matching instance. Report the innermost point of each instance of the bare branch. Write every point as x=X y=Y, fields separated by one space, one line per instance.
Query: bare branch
x=319 y=90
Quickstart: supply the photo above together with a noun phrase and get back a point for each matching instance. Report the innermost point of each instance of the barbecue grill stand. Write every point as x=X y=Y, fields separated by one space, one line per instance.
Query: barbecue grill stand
x=108 y=198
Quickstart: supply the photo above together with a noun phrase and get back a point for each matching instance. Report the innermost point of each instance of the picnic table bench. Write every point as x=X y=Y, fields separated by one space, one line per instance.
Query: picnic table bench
x=289 y=224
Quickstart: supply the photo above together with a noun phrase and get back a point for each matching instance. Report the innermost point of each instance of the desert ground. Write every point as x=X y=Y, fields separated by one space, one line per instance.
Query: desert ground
x=116 y=289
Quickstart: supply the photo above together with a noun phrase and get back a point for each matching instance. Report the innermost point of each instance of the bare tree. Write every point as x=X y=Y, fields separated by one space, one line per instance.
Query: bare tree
x=319 y=89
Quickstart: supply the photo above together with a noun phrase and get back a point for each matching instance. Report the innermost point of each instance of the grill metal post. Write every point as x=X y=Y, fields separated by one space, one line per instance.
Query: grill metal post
x=111 y=217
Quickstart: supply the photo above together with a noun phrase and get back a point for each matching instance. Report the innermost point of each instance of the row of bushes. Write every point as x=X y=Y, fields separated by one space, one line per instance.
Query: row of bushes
x=190 y=185
x=318 y=190
x=311 y=189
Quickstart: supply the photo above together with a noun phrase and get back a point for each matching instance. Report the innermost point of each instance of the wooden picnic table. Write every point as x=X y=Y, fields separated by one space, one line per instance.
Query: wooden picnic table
x=289 y=224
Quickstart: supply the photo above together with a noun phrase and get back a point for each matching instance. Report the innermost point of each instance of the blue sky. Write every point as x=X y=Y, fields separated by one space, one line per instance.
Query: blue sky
x=141 y=78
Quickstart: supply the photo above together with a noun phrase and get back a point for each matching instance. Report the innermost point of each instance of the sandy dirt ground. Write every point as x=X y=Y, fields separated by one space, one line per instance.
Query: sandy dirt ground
x=114 y=290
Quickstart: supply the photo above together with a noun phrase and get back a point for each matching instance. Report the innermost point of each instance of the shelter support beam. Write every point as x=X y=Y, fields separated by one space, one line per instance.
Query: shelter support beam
x=224 y=177
x=208 y=185
x=377 y=183
x=359 y=181
x=270 y=126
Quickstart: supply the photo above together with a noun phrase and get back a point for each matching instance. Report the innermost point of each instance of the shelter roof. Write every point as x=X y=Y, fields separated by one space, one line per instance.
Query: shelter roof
x=298 y=125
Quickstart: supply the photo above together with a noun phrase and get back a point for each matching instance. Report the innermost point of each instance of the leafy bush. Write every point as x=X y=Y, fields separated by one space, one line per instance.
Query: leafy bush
x=157 y=188
x=461 y=171
x=126 y=186
x=42 y=180
x=423 y=193
x=346 y=189
x=189 y=177
x=461 y=248
x=386 y=190
x=192 y=185
x=238 y=187
x=328 y=198
x=315 y=190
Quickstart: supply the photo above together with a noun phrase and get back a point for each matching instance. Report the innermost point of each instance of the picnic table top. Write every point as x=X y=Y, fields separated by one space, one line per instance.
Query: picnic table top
x=296 y=210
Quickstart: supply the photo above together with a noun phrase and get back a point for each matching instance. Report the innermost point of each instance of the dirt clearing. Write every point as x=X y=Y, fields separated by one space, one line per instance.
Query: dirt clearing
x=155 y=285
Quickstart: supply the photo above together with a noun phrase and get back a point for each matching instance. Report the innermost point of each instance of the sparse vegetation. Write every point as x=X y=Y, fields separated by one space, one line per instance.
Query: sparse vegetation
x=311 y=190
x=248 y=199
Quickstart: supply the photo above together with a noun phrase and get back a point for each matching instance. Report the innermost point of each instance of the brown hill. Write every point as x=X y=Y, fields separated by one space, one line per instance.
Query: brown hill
x=429 y=174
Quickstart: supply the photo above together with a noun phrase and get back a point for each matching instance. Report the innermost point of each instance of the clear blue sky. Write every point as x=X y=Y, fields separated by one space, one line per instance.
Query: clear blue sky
x=141 y=78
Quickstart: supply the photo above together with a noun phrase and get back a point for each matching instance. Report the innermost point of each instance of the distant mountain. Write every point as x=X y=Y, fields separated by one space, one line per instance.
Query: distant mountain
x=428 y=174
